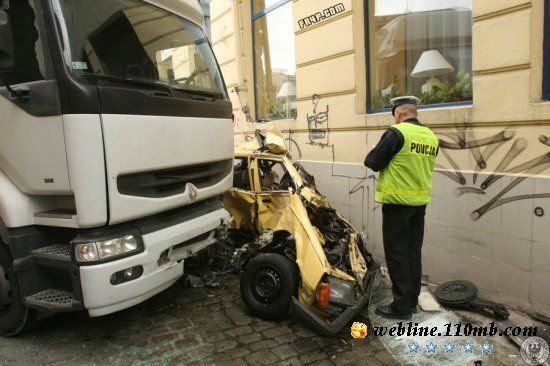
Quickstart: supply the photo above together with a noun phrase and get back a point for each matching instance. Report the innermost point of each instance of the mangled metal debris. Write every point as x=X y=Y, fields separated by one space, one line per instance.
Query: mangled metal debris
x=463 y=295
x=295 y=252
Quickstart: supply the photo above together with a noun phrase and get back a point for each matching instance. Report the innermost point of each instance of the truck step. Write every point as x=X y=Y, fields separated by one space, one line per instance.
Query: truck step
x=52 y=254
x=58 y=213
x=62 y=217
x=52 y=299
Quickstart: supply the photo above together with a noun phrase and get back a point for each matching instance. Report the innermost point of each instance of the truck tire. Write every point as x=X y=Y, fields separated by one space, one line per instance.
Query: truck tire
x=15 y=317
x=267 y=285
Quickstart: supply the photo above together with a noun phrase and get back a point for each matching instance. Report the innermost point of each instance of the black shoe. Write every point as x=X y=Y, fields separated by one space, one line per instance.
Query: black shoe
x=387 y=312
x=414 y=310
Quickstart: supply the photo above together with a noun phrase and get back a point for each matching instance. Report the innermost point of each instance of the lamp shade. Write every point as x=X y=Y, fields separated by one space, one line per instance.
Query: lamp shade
x=288 y=89
x=431 y=63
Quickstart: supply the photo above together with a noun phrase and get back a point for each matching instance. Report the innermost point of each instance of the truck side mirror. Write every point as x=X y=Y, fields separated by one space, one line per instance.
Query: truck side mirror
x=6 y=43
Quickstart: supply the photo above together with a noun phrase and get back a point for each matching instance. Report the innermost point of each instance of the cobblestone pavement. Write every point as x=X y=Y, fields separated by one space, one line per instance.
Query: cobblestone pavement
x=185 y=326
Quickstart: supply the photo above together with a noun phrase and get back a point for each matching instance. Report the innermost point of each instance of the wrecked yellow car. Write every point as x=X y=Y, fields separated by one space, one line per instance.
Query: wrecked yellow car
x=296 y=253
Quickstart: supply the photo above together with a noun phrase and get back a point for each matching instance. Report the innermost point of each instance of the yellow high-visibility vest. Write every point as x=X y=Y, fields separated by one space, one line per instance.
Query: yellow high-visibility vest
x=407 y=180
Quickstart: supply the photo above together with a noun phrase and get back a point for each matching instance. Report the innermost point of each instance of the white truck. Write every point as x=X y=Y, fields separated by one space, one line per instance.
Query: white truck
x=116 y=142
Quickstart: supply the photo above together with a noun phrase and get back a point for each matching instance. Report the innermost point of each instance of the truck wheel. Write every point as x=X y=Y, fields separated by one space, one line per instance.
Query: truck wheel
x=268 y=283
x=15 y=317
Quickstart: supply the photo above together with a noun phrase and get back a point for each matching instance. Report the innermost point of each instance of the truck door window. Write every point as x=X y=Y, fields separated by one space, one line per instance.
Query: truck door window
x=138 y=43
x=29 y=58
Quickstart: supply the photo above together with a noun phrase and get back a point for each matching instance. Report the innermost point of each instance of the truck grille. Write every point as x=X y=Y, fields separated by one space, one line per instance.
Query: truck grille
x=169 y=182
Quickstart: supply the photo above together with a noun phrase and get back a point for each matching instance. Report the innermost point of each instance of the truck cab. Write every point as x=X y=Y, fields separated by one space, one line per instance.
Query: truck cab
x=116 y=142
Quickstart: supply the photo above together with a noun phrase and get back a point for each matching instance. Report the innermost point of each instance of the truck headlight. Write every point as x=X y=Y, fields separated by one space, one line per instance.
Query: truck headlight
x=92 y=252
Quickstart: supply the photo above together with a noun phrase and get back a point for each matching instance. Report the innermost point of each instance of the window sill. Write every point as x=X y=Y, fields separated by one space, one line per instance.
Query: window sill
x=424 y=107
x=436 y=115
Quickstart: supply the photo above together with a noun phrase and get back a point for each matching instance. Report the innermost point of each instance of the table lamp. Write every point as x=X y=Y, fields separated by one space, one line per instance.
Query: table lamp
x=430 y=64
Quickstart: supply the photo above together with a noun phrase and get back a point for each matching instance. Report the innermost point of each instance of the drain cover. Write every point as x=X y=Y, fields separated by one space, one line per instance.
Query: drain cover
x=456 y=292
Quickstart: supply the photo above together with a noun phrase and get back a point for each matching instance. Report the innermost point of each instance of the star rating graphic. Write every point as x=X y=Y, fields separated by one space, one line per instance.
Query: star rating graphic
x=413 y=347
x=449 y=348
x=486 y=348
x=431 y=348
x=468 y=347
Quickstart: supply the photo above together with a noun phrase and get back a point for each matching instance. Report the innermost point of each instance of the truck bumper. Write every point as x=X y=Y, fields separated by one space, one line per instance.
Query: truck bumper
x=181 y=240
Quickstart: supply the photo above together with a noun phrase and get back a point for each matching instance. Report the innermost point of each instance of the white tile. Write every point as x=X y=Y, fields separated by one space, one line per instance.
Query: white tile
x=437 y=236
x=542 y=185
x=517 y=219
x=513 y=283
x=488 y=221
x=540 y=258
x=481 y=244
x=337 y=190
x=349 y=170
x=461 y=216
x=541 y=224
x=540 y=288
x=358 y=193
x=358 y=218
x=435 y=262
x=483 y=273
x=456 y=265
x=511 y=251
x=459 y=241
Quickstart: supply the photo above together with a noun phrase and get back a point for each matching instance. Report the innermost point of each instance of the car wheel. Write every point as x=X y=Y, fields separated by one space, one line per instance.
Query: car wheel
x=15 y=317
x=268 y=283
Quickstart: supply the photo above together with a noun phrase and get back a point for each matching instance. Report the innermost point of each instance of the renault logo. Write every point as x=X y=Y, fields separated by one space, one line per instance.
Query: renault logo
x=192 y=192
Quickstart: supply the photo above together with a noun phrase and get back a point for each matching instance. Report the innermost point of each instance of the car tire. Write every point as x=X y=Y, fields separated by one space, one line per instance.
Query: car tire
x=267 y=285
x=15 y=317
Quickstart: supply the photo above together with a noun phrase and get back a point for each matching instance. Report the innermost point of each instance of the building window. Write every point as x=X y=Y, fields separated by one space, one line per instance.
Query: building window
x=546 y=54
x=421 y=48
x=274 y=61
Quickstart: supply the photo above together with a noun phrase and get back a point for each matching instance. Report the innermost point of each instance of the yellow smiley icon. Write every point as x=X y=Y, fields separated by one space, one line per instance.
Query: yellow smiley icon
x=358 y=330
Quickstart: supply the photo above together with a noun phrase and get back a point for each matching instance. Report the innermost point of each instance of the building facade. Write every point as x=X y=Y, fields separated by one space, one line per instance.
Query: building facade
x=324 y=71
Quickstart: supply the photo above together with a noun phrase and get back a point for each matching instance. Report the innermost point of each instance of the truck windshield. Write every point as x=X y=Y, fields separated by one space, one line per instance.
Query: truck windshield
x=141 y=45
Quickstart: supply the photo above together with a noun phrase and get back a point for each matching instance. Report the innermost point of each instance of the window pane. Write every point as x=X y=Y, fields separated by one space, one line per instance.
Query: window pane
x=275 y=65
x=259 y=5
x=423 y=48
x=29 y=58
x=132 y=40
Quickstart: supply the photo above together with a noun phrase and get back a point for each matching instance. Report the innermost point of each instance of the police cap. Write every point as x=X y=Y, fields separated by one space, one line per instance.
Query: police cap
x=408 y=99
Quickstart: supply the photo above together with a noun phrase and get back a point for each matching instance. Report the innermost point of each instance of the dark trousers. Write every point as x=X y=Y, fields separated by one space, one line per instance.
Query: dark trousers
x=403 y=230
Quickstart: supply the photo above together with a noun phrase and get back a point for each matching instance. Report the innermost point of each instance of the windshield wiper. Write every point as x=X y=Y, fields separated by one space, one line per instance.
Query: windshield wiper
x=204 y=93
x=141 y=82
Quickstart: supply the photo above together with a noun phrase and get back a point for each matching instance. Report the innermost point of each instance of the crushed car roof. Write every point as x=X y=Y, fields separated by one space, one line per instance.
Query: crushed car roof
x=269 y=143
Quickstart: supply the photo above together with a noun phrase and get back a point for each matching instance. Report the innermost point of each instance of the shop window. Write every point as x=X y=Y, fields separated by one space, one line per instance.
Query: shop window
x=274 y=60
x=421 y=48
x=546 y=53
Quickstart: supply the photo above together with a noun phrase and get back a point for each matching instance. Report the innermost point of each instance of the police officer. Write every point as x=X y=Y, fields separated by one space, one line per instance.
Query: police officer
x=405 y=157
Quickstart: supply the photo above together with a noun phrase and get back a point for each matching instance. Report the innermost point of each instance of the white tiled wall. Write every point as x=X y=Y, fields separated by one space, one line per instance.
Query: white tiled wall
x=505 y=252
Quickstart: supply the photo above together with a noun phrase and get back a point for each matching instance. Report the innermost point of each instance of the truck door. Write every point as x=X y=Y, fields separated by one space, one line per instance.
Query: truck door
x=32 y=146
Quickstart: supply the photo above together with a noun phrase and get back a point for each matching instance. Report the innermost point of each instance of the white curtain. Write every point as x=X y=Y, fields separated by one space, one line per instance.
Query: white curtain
x=396 y=7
